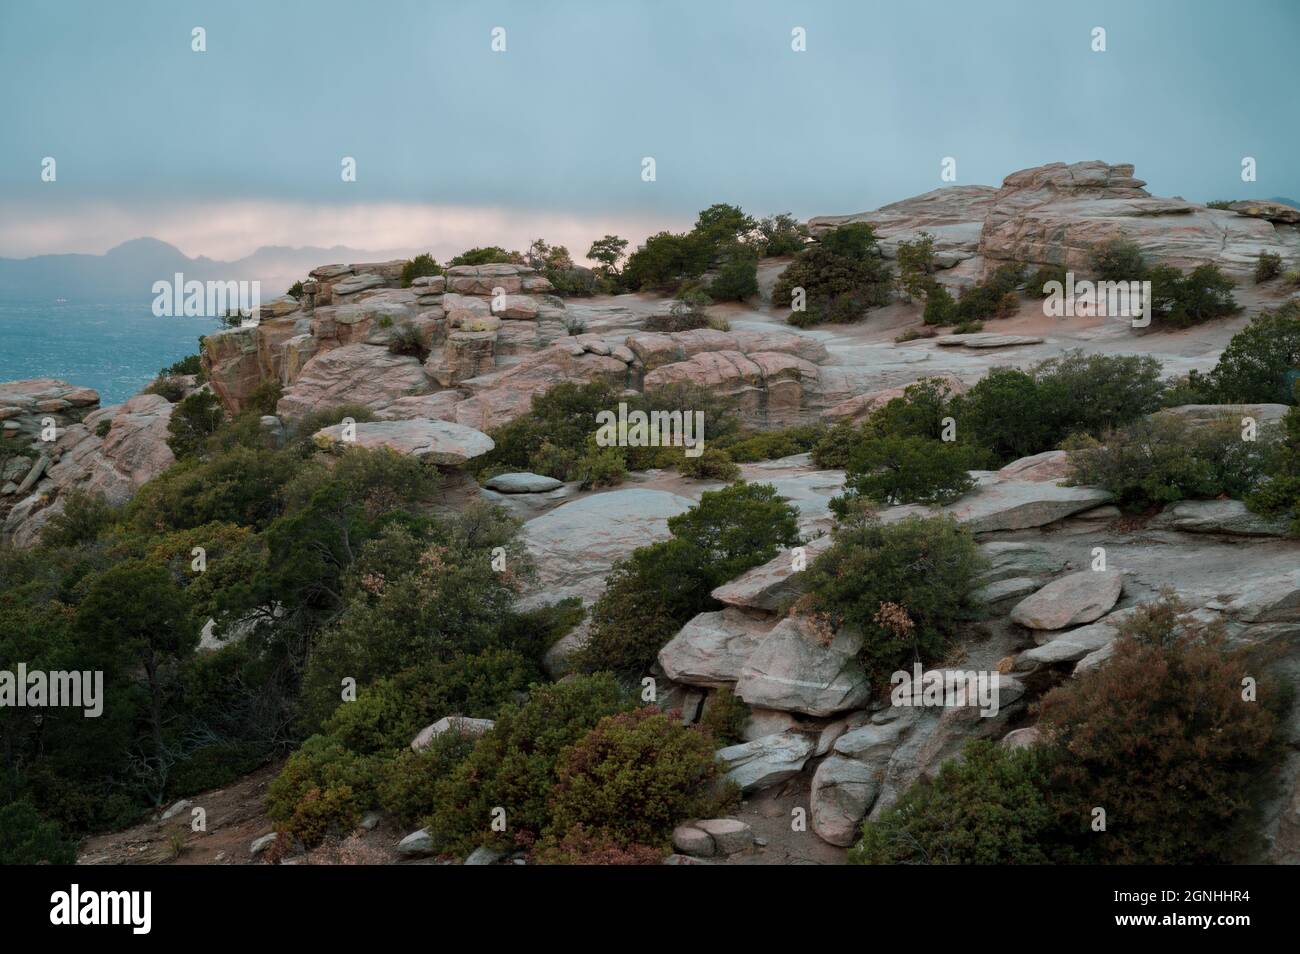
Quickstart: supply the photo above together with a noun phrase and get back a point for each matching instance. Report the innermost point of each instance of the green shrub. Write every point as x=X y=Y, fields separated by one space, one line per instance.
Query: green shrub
x=193 y=421
x=407 y=339
x=419 y=267
x=725 y=715
x=409 y=781
x=83 y=518
x=686 y=313
x=103 y=427
x=781 y=234
x=994 y=297
x=1268 y=267
x=515 y=766
x=1279 y=494
x=940 y=306
x=737 y=277
x=491 y=255
x=927 y=567
x=633 y=777
x=190 y=364
x=900 y=470
x=842 y=276
x=387 y=714
x=915 y=266
x=1182 y=300
x=666 y=260
x=295 y=291
x=989 y=808
x=1261 y=360
x=773 y=445
x=1037 y=284
x=1162 y=739
x=578 y=847
x=172 y=388
x=1118 y=260
x=266 y=396
x=324 y=788
x=711 y=464
x=1164 y=458
x=968 y=328
x=600 y=467
x=28 y=839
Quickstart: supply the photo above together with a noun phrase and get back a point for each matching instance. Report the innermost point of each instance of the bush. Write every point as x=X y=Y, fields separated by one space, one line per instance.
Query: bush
x=737 y=277
x=842 y=276
x=989 y=808
x=633 y=777
x=84 y=517
x=409 y=781
x=1279 y=494
x=928 y=567
x=1003 y=414
x=666 y=260
x=1164 y=458
x=940 y=306
x=419 y=267
x=515 y=766
x=994 y=297
x=28 y=839
x=578 y=847
x=1118 y=260
x=295 y=291
x=491 y=255
x=190 y=364
x=1183 y=300
x=772 y=445
x=915 y=266
x=172 y=388
x=725 y=715
x=323 y=788
x=407 y=339
x=684 y=314
x=1261 y=362
x=1268 y=267
x=781 y=234
x=900 y=470
x=712 y=464
x=193 y=421
x=600 y=467
x=1161 y=738
x=1037 y=284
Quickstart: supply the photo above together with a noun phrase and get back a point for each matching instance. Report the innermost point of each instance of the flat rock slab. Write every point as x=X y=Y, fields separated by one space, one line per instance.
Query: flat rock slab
x=1218 y=516
x=998 y=504
x=768 y=761
x=1072 y=645
x=770 y=586
x=986 y=340
x=523 y=483
x=1001 y=591
x=1072 y=600
x=444 y=442
x=795 y=671
x=729 y=835
x=1271 y=599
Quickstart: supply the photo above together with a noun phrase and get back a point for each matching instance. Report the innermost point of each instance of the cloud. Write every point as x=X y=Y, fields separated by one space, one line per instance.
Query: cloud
x=228 y=230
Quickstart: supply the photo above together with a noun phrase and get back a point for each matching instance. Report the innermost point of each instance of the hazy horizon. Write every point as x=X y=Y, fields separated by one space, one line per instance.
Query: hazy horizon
x=240 y=146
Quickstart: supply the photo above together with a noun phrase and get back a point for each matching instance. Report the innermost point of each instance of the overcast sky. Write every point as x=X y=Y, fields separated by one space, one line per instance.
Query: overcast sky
x=240 y=146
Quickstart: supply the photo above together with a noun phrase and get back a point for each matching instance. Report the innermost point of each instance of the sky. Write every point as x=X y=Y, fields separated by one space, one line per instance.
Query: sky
x=456 y=144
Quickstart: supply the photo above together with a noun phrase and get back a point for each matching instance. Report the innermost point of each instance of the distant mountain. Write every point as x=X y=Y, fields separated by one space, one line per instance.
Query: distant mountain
x=129 y=270
x=1285 y=201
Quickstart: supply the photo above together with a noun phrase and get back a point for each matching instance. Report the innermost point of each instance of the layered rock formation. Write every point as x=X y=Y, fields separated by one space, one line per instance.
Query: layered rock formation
x=1054 y=214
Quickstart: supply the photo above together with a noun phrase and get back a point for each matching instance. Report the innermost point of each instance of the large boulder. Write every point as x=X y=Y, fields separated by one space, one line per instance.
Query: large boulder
x=353 y=374
x=1218 y=516
x=576 y=544
x=1055 y=214
x=1071 y=600
x=767 y=761
x=843 y=790
x=798 y=668
x=772 y=586
x=442 y=442
x=1012 y=504
x=712 y=648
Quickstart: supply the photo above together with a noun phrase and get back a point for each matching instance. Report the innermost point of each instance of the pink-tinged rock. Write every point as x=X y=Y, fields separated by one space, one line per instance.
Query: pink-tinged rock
x=442 y=442
x=861 y=405
x=502 y=396
x=1049 y=465
x=1072 y=600
x=353 y=374
x=439 y=406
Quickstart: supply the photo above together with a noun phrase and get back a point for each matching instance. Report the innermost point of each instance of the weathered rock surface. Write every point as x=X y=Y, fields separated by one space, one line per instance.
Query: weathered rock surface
x=442 y=442
x=986 y=340
x=712 y=648
x=771 y=586
x=1218 y=516
x=767 y=761
x=1012 y=504
x=794 y=669
x=1071 y=600
x=842 y=791
x=523 y=483
x=352 y=374
x=729 y=835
